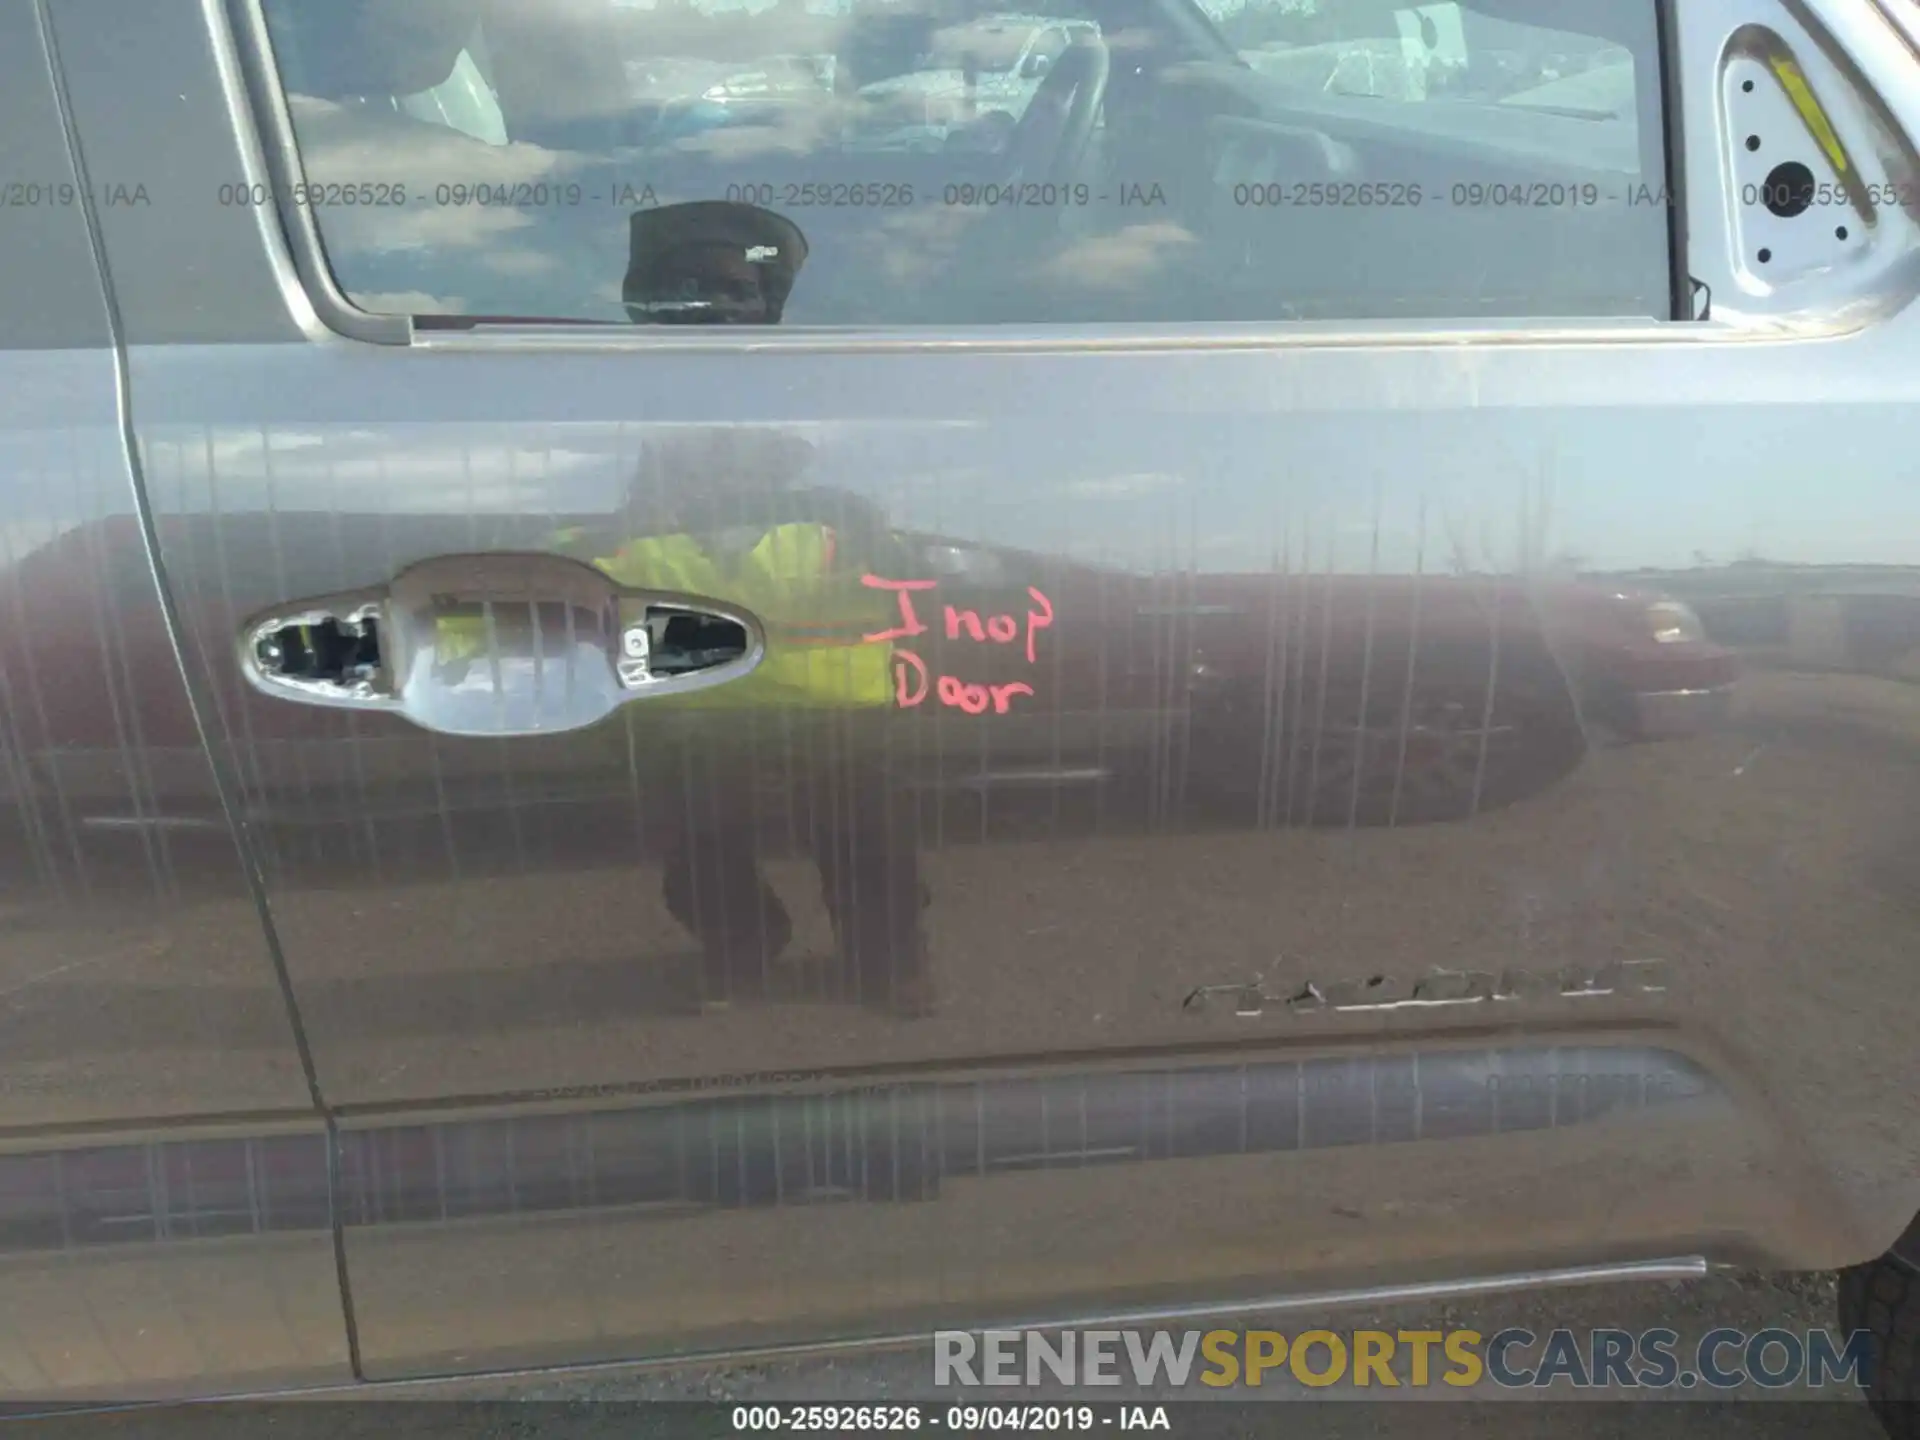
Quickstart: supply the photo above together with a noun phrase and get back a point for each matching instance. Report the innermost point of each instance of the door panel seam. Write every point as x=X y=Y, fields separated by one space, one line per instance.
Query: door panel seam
x=197 y=705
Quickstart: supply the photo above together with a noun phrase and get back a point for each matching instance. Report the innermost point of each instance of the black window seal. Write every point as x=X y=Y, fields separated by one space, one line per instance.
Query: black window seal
x=286 y=174
x=1672 y=120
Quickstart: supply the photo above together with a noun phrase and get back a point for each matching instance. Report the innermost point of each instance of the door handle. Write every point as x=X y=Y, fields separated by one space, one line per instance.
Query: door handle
x=497 y=644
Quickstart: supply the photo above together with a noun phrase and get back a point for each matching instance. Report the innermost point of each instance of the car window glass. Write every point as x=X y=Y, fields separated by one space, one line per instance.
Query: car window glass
x=1428 y=53
x=956 y=162
x=1049 y=47
x=465 y=101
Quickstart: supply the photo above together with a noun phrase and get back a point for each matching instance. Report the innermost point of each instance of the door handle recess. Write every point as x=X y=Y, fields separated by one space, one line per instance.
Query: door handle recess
x=498 y=644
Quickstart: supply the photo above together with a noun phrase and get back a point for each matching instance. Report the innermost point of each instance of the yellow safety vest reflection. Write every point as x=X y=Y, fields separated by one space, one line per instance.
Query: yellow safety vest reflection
x=814 y=615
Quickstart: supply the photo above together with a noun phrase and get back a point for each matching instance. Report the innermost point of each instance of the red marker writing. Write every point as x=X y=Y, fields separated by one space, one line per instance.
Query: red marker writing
x=1037 y=620
x=909 y=622
x=911 y=681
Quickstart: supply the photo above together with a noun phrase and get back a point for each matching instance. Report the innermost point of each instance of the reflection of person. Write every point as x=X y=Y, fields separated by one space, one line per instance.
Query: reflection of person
x=714 y=514
x=711 y=262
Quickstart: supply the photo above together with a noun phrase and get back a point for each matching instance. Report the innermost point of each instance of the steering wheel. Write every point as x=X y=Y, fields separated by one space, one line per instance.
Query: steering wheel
x=1053 y=134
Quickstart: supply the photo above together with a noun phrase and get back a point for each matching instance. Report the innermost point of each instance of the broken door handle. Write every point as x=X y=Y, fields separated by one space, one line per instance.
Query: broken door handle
x=501 y=644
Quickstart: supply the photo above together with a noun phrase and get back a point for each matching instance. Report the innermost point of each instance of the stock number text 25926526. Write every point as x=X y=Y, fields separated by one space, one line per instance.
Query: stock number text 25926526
x=872 y=195
x=1327 y=195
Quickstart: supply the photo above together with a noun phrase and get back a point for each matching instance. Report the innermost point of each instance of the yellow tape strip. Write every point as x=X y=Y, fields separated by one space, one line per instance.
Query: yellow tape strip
x=1795 y=84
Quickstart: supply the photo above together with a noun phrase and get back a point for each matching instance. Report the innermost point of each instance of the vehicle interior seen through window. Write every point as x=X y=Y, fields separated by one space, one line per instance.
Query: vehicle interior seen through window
x=954 y=162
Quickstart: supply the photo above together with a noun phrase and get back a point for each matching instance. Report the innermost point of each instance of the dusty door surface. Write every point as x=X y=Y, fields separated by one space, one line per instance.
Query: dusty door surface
x=1265 y=748
x=164 y=1218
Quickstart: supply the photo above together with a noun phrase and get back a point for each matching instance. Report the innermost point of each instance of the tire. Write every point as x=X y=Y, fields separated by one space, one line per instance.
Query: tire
x=1882 y=1298
x=1387 y=754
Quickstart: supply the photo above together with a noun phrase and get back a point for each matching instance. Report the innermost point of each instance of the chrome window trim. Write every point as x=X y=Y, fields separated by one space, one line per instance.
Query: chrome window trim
x=271 y=136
